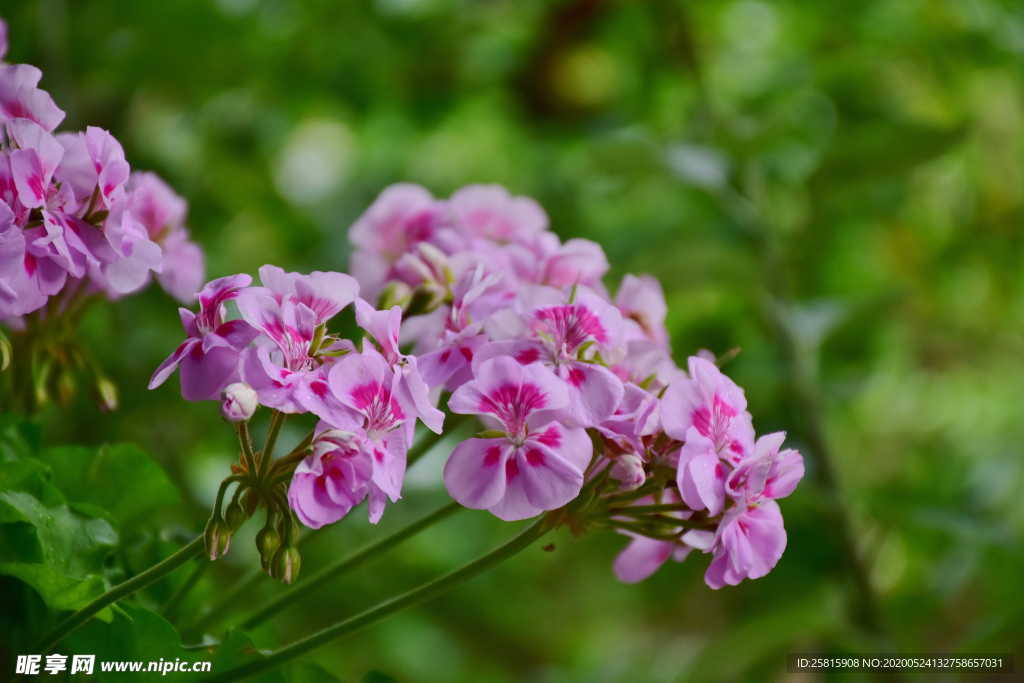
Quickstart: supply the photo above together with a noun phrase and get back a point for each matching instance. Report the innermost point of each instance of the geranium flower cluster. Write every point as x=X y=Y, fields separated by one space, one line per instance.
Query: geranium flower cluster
x=471 y=303
x=74 y=219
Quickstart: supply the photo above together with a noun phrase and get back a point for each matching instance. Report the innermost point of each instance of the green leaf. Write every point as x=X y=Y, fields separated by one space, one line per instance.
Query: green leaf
x=135 y=633
x=57 y=551
x=120 y=479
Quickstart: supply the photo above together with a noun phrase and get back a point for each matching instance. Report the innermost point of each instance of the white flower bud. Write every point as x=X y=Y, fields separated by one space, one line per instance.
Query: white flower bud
x=238 y=402
x=628 y=470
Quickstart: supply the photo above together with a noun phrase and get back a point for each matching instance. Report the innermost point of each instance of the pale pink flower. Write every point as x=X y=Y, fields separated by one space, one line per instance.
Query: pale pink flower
x=537 y=464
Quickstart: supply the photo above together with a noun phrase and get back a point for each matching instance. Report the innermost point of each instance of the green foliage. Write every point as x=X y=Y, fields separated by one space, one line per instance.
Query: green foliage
x=135 y=633
x=120 y=481
x=57 y=551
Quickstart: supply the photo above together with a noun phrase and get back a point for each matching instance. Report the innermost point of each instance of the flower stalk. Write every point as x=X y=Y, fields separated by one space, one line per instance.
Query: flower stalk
x=417 y=595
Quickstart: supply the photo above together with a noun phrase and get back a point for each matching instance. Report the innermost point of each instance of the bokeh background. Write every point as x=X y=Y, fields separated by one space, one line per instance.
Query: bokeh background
x=835 y=189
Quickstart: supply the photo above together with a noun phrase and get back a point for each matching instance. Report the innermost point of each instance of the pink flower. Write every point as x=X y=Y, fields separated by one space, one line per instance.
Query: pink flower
x=537 y=464
x=368 y=387
x=162 y=213
x=711 y=403
x=208 y=359
x=748 y=544
x=475 y=296
x=402 y=216
x=183 y=266
x=25 y=282
x=768 y=472
x=564 y=337
x=751 y=537
x=577 y=262
x=490 y=212
x=642 y=303
x=700 y=476
x=411 y=390
x=633 y=419
x=285 y=368
x=332 y=480
x=21 y=98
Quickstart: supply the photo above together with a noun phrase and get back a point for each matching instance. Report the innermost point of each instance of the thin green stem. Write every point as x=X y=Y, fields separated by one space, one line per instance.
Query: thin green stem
x=272 y=433
x=74 y=621
x=245 y=438
x=242 y=587
x=215 y=613
x=357 y=558
x=422 y=593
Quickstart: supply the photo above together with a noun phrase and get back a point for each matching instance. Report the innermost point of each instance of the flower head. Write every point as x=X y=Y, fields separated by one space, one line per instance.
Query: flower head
x=208 y=358
x=537 y=463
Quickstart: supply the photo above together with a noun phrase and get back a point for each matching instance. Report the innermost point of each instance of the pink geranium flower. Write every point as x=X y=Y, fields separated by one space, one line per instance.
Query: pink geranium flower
x=642 y=303
x=712 y=404
x=537 y=463
x=284 y=367
x=208 y=359
x=411 y=389
x=332 y=480
x=751 y=537
x=368 y=387
x=565 y=337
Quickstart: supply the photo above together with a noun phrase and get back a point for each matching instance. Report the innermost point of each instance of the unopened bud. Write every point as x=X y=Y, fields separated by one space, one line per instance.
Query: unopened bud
x=437 y=261
x=106 y=394
x=238 y=402
x=286 y=564
x=628 y=470
x=235 y=515
x=396 y=293
x=267 y=542
x=217 y=537
x=66 y=386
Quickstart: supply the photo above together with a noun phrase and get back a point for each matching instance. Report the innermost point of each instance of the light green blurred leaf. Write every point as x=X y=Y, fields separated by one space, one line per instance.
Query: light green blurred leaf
x=120 y=479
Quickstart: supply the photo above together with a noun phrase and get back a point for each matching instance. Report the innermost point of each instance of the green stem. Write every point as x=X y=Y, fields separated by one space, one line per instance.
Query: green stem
x=254 y=576
x=351 y=562
x=426 y=591
x=268 y=447
x=244 y=585
x=73 y=622
x=245 y=438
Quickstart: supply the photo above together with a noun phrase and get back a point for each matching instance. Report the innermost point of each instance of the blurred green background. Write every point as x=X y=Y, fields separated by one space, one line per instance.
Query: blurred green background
x=837 y=189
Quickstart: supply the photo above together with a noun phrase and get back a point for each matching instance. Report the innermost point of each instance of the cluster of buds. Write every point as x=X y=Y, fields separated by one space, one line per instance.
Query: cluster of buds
x=76 y=225
x=472 y=304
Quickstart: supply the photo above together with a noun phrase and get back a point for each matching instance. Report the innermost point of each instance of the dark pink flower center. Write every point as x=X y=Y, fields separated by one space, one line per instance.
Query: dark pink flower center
x=375 y=401
x=513 y=403
x=714 y=423
x=569 y=327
